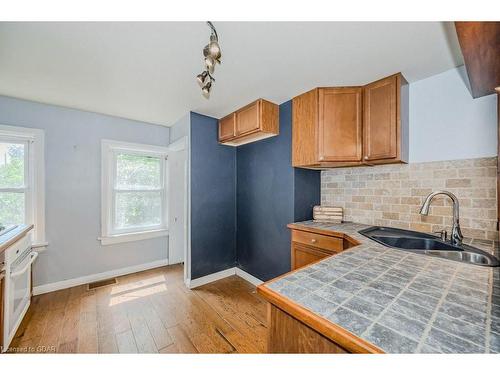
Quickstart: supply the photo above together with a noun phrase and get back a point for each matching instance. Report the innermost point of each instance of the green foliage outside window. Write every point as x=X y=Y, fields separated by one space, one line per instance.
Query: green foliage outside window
x=11 y=176
x=140 y=204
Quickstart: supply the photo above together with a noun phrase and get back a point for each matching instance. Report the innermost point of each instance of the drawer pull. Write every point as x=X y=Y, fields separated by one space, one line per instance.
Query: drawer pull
x=328 y=243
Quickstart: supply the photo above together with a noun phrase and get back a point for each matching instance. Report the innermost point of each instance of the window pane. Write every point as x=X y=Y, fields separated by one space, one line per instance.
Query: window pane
x=137 y=172
x=139 y=209
x=11 y=208
x=11 y=165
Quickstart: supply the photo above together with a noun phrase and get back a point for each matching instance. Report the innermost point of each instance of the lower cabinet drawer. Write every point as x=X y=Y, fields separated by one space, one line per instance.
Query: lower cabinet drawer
x=302 y=255
x=333 y=244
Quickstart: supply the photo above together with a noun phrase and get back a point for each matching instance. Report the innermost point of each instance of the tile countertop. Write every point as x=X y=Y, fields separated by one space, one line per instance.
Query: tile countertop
x=12 y=236
x=399 y=301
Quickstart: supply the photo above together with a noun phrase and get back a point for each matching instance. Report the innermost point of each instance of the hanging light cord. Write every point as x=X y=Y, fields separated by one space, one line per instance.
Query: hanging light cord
x=214 y=32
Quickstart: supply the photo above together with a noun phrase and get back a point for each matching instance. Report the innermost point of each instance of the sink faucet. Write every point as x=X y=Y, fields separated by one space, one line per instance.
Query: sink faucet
x=456 y=233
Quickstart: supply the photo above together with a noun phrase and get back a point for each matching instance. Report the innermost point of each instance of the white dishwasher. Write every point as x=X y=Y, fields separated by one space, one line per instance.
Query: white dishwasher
x=18 y=260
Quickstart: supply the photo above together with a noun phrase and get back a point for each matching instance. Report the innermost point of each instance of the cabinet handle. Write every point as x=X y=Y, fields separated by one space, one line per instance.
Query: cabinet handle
x=366 y=157
x=33 y=256
x=314 y=240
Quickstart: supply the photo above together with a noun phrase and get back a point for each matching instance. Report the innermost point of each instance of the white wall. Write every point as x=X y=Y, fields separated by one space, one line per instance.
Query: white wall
x=180 y=128
x=73 y=189
x=446 y=123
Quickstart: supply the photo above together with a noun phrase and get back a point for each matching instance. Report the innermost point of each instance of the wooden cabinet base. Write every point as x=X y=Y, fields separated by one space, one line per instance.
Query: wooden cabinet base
x=310 y=245
x=293 y=328
x=303 y=255
x=288 y=335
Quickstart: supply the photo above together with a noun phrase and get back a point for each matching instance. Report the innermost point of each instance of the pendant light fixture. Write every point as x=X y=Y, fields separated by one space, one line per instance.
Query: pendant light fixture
x=212 y=55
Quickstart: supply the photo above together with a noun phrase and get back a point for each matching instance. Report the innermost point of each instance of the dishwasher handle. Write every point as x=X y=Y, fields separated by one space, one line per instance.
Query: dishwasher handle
x=33 y=255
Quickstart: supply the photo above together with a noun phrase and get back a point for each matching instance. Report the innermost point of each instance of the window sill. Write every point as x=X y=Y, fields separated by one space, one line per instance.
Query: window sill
x=129 y=237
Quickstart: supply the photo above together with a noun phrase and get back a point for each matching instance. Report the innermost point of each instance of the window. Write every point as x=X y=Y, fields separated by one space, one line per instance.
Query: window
x=21 y=179
x=134 y=196
x=13 y=175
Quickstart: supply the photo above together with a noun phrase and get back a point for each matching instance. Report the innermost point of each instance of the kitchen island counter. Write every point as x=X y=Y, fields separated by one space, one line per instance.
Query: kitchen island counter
x=372 y=298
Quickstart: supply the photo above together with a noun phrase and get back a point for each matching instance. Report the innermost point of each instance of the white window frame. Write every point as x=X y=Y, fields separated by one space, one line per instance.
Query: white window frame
x=109 y=150
x=34 y=189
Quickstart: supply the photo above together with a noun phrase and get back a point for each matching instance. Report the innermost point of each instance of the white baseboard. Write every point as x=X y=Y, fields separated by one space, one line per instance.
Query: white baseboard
x=41 y=289
x=223 y=274
x=211 y=278
x=46 y=288
x=246 y=276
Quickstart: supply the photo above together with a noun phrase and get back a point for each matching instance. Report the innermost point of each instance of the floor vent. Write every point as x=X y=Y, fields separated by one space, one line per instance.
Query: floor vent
x=99 y=284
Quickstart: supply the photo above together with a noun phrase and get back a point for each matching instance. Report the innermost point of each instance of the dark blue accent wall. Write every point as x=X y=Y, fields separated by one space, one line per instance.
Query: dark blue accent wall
x=306 y=193
x=213 y=203
x=243 y=198
x=271 y=194
x=265 y=202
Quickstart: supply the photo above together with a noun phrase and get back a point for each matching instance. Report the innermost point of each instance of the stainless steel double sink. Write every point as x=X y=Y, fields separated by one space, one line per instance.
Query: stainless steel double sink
x=423 y=243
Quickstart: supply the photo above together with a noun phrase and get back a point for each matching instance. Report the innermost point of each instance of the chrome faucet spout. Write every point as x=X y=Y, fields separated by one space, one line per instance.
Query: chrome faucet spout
x=456 y=233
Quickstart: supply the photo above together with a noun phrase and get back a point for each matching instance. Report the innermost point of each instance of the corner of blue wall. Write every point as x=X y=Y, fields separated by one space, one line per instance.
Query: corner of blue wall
x=243 y=198
x=270 y=195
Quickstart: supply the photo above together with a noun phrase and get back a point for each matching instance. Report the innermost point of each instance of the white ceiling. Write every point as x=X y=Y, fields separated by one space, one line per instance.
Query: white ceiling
x=146 y=71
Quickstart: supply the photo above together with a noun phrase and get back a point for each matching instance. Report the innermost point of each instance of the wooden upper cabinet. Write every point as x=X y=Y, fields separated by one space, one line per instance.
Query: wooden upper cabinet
x=380 y=121
x=305 y=129
x=255 y=121
x=227 y=127
x=340 y=124
x=480 y=45
x=349 y=126
x=386 y=121
x=327 y=127
x=247 y=119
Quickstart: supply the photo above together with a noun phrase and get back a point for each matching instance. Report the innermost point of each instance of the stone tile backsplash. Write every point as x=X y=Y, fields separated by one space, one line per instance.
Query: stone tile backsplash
x=391 y=195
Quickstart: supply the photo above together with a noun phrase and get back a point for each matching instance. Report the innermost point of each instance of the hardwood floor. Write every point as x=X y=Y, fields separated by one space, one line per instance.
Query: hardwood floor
x=147 y=312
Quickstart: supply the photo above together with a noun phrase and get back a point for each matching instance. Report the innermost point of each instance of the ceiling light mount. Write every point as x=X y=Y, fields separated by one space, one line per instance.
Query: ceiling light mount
x=212 y=56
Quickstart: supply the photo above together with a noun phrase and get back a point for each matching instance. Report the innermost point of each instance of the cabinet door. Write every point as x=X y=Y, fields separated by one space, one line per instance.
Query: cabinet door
x=287 y=334
x=304 y=129
x=248 y=119
x=302 y=255
x=340 y=124
x=380 y=124
x=227 y=127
